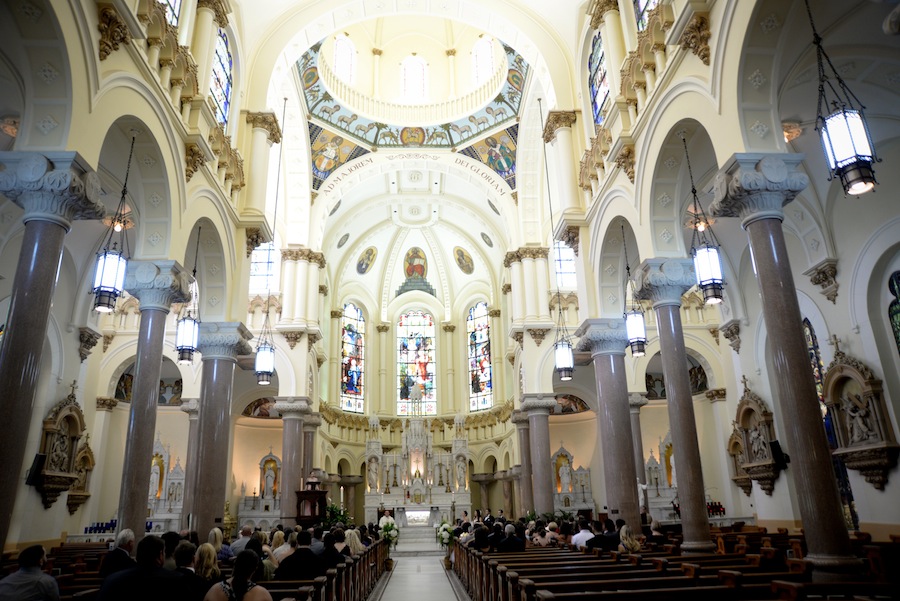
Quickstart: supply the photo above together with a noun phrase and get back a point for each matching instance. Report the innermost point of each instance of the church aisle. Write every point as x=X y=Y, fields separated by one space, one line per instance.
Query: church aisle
x=414 y=577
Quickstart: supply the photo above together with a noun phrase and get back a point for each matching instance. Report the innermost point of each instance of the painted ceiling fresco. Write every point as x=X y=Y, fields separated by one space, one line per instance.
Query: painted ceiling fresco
x=329 y=150
x=497 y=151
x=325 y=109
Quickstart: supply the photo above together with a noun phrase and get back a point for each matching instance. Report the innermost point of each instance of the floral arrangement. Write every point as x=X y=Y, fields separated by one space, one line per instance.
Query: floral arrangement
x=445 y=534
x=390 y=533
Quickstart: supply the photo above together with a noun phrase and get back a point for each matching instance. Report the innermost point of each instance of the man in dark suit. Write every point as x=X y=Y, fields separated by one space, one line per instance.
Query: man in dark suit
x=512 y=543
x=488 y=518
x=148 y=580
x=120 y=557
x=302 y=564
x=195 y=586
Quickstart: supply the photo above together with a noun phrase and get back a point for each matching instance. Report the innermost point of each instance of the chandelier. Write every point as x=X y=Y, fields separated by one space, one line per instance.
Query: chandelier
x=635 y=328
x=704 y=245
x=187 y=328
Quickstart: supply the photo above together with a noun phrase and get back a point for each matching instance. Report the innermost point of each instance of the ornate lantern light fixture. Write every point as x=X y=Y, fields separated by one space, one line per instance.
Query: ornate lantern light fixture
x=844 y=132
x=704 y=245
x=635 y=328
x=112 y=258
x=564 y=357
x=187 y=328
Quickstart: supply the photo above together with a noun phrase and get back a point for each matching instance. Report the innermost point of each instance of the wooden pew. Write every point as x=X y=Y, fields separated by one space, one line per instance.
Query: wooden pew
x=834 y=590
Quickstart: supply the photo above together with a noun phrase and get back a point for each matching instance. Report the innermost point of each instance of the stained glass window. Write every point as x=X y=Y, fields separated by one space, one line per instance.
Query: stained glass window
x=641 y=8
x=894 y=307
x=173 y=9
x=851 y=518
x=345 y=58
x=414 y=79
x=478 y=328
x=262 y=268
x=353 y=351
x=415 y=364
x=597 y=79
x=220 y=85
x=564 y=263
x=482 y=60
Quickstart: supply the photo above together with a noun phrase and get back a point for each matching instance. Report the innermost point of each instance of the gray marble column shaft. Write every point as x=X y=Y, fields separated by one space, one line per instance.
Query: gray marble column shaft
x=755 y=188
x=526 y=494
x=220 y=344
x=311 y=425
x=606 y=340
x=156 y=285
x=635 y=402
x=292 y=411
x=664 y=281
x=192 y=408
x=52 y=194
x=538 y=409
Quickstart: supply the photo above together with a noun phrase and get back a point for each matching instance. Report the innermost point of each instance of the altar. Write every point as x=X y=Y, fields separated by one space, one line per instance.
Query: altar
x=420 y=484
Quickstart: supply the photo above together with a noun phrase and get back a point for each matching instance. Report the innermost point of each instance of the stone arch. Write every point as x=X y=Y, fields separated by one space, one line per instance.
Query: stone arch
x=212 y=269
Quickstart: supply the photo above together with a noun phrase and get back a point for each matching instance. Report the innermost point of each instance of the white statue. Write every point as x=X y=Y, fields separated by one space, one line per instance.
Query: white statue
x=460 y=474
x=270 y=483
x=858 y=419
x=672 y=464
x=758 y=450
x=154 y=481
x=373 y=475
x=565 y=477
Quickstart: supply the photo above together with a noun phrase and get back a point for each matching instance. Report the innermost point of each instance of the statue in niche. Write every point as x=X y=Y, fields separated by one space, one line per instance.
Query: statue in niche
x=565 y=477
x=268 y=491
x=461 y=474
x=858 y=425
x=59 y=452
x=154 y=481
x=373 y=474
x=758 y=444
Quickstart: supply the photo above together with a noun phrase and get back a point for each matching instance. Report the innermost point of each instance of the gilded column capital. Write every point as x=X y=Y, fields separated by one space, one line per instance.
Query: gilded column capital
x=451 y=52
x=377 y=51
x=54 y=186
x=224 y=340
x=664 y=281
x=317 y=258
x=598 y=8
x=506 y=288
x=756 y=186
x=267 y=121
x=255 y=238
x=494 y=313
x=570 y=238
x=732 y=331
x=448 y=327
x=555 y=121
x=290 y=254
x=538 y=334
x=513 y=256
x=218 y=7
x=383 y=327
x=336 y=313
x=716 y=394
x=105 y=403
x=113 y=31
x=292 y=337
x=625 y=161
x=323 y=289
x=157 y=284
x=87 y=340
x=603 y=336
x=695 y=37
x=823 y=275
x=636 y=400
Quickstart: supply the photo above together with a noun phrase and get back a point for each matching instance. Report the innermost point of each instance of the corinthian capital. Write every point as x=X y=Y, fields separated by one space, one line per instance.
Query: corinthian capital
x=603 y=336
x=223 y=340
x=664 y=281
x=598 y=8
x=158 y=284
x=555 y=121
x=756 y=186
x=267 y=121
x=55 y=186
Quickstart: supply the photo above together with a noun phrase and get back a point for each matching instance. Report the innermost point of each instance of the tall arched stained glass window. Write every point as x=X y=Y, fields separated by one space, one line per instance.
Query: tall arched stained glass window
x=345 y=58
x=840 y=470
x=415 y=364
x=597 y=79
x=641 y=8
x=482 y=60
x=414 y=79
x=894 y=307
x=478 y=328
x=173 y=10
x=353 y=356
x=220 y=84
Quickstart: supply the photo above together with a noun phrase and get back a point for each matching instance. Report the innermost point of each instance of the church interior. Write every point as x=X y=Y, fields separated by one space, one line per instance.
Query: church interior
x=415 y=237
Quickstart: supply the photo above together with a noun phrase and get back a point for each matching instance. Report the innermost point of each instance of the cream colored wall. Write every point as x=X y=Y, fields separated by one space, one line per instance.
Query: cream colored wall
x=252 y=439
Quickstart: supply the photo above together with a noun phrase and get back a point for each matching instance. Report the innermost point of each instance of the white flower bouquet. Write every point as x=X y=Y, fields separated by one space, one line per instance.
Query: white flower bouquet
x=445 y=534
x=390 y=533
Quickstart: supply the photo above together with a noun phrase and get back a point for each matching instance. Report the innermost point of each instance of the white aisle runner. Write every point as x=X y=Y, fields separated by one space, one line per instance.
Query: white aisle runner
x=418 y=579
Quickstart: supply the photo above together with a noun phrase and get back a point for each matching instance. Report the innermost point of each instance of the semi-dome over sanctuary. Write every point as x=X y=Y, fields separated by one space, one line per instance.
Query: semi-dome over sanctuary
x=617 y=259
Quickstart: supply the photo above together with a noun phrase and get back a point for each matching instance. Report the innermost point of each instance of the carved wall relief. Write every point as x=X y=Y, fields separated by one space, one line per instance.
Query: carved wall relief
x=735 y=448
x=61 y=433
x=84 y=465
x=865 y=437
x=756 y=429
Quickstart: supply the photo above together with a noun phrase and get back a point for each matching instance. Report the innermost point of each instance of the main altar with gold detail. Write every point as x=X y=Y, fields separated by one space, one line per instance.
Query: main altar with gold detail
x=417 y=482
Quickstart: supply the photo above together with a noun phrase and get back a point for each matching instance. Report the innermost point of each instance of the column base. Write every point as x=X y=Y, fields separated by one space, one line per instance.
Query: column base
x=835 y=568
x=698 y=548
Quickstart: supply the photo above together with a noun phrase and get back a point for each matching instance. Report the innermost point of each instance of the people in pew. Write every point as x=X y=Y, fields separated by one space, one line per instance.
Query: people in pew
x=266 y=570
x=224 y=551
x=364 y=537
x=287 y=548
x=206 y=565
x=496 y=534
x=565 y=534
x=583 y=535
x=628 y=543
x=353 y=543
x=480 y=540
x=192 y=584
x=241 y=586
x=120 y=557
x=302 y=563
x=330 y=557
x=147 y=580
x=317 y=545
x=511 y=543
x=30 y=583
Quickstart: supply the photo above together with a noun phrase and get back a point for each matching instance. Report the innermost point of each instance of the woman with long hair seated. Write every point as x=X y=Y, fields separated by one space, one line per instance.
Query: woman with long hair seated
x=628 y=543
x=353 y=543
x=223 y=550
x=205 y=564
x=240 y=587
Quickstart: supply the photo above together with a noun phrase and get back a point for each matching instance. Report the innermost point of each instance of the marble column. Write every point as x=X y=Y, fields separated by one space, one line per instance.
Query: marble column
x=292 y=411
x=606 y=340
x=350 y=484
x=54 y=189
x=220 y=344
x=636 y=400
x=755 y=187
x=520 y=419
x=311 y=425
x=156 y=284
x=537 y=407
x=506 y=483
x=265 y=133
x=192 y=408
x=664 y=281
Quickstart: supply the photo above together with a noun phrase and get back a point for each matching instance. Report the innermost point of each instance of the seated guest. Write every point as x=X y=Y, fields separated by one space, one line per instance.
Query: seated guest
x=120 y=557
x=496 y=535
x=330 y=557
x=223 y=549
x=583 y=536
x=171 y=539
x=302 y=564
x=656 y=534
x=353 y=543
x=466 y=534
x=266 y=571
x=288 y=547
x=340 y=541
x=241 y=543
x=553 y=533
x=565 y=534
x=541 y=536
x=364 y=537
x=627 y=541
x=148 y=580
x=240 y=587
x=206 y=566
x=511 y=543
x=278 y=541
x=317 y=546
x=194 y=586
x=29 y=583
x=480 y=540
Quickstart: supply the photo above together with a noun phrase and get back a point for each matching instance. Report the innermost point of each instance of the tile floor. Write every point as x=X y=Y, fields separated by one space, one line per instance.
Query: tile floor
x=418 y=578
